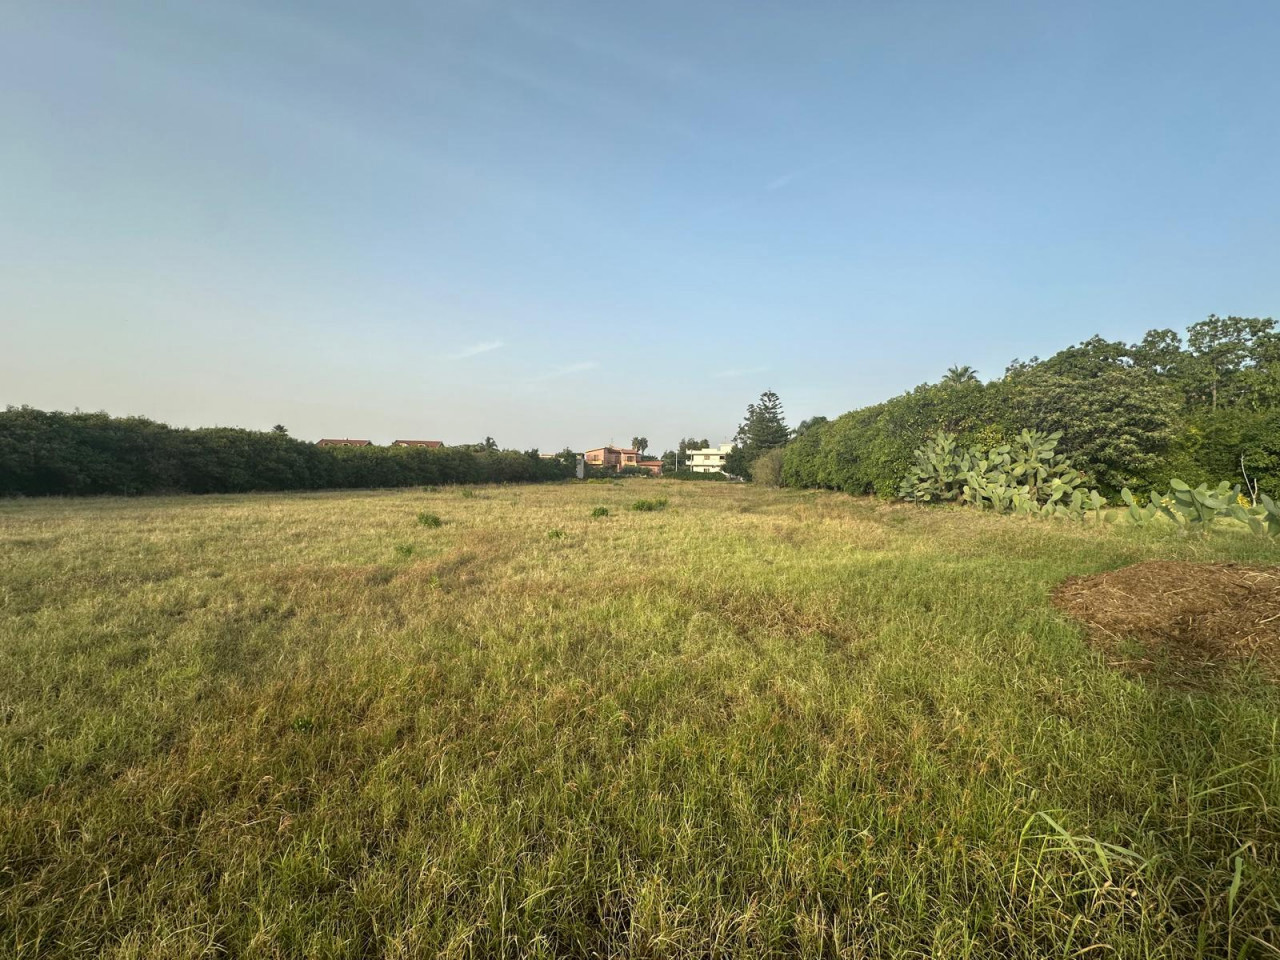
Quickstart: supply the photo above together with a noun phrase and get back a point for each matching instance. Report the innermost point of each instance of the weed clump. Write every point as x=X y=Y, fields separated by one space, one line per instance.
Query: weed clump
x=468 y=493
x=404 y=549
x=600 y=512
x=648 y=506
x=429 y=520
x=556 y=534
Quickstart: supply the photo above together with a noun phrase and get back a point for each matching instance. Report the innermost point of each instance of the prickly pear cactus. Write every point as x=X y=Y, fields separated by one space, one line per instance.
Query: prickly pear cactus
x=1263 y=519
x=1027 y=476
x=1196 y=510
x=937 y=475
x=1137 y=514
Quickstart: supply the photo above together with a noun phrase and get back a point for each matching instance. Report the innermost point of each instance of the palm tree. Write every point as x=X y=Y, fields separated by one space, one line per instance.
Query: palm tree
x=958 y=375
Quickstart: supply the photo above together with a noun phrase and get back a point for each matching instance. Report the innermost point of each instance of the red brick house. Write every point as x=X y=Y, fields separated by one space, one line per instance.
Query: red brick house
x=418 y=443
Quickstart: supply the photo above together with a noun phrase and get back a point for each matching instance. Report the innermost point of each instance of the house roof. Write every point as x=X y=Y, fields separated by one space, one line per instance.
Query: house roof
x=419 y=443
x=327 y=442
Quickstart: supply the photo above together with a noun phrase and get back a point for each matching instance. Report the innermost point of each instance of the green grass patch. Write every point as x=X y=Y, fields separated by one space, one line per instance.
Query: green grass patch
x=426 y=519
x=648 y=506
x=790 y=725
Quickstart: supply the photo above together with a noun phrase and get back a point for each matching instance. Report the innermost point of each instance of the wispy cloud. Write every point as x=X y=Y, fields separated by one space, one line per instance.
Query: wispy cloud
x=739 y=372
x=476 y=349
x=777 y=183
x=565 y=371
x=780 y=182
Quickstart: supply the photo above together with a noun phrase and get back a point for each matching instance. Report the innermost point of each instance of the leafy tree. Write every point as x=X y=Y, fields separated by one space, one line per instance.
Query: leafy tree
x=737 y=464
x=1224 y=348
x=1017 y=367
x=1160 y=353
x=1116 y=425
x=1225 y=444
x=1091 y=358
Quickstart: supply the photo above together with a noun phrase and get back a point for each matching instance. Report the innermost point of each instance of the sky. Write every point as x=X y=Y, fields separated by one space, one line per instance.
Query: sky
x=570 y=223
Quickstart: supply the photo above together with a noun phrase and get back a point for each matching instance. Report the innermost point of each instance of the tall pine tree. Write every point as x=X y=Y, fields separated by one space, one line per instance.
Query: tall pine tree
x=763 y=428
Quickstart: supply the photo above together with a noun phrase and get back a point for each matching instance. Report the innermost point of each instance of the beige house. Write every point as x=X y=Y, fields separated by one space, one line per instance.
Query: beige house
x=620 y=458
x=710 y=460
x=615 y=457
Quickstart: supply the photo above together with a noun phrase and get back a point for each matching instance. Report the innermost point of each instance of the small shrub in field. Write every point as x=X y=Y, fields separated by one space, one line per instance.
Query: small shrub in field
x=429 y=520
x=648 y=506
x=404 y=549
x=766 y=469
x=600 y=512
x=468 y=493
x=304 y=724
x=555 y=534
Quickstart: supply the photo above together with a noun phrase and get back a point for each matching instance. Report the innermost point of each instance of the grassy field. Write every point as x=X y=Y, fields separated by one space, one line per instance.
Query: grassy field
x=753 y=723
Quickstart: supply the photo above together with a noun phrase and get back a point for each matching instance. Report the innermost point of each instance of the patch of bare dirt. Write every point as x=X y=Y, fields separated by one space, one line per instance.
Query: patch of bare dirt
x=1188 y=619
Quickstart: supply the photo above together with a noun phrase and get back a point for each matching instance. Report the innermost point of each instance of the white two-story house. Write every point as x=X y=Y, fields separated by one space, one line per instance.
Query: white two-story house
x=710 y=460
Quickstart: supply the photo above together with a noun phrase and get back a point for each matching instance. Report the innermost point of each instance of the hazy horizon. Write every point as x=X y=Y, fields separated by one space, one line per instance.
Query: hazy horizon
x=574 y=224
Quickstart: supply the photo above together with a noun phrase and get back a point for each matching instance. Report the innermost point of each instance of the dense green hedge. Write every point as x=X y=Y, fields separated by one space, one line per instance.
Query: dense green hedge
x=1134 y=445
x=1138 y=416
x=43 y=453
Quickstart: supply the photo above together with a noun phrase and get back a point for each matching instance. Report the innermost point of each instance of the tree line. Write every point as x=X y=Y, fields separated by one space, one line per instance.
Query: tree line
x=62 y=454
x=1201 y=408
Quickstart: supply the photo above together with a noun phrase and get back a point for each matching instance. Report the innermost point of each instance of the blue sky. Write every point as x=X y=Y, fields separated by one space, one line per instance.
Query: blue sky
x=564 y=223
